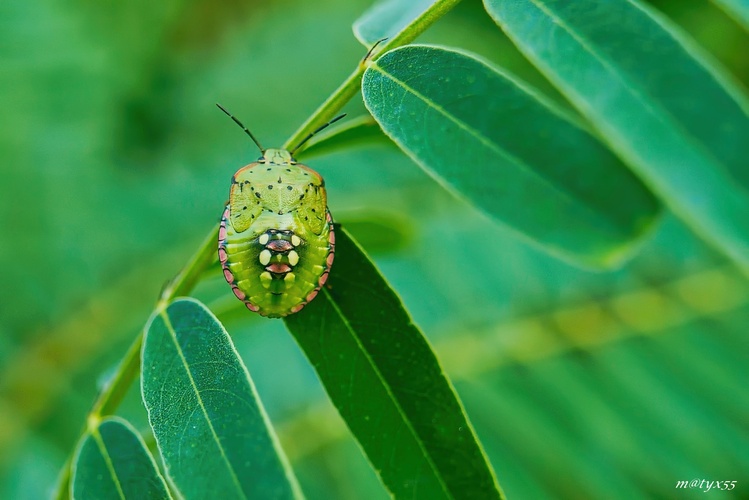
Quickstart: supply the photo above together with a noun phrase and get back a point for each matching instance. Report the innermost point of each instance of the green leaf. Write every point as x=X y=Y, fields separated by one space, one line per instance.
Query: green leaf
x=387 y=384
x=211 y=429
x=399 y=22
x=677 y=122
x=386 y=18
x=738 y=9
x=113 y=462
x=511 y=153
x=356 y=132
x=379 y=232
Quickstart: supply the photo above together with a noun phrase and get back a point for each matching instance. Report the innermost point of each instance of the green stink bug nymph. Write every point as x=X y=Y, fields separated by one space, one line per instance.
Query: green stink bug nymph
x=276 y=240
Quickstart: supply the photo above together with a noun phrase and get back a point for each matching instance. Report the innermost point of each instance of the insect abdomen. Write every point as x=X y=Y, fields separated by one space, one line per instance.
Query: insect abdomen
x=273 y=268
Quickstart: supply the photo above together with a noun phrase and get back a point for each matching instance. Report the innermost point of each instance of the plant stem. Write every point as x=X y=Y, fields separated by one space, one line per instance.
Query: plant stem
x=188 y=277
x=111 y=397
x=129 y=369
x=348 y=89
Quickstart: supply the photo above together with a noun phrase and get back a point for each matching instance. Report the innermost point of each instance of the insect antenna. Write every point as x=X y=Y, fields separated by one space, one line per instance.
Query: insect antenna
x=371 y=50
x=318 y=129
x=262 y=150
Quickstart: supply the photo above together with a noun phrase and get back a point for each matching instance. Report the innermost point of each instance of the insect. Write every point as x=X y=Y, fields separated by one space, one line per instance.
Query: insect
x=276 y=240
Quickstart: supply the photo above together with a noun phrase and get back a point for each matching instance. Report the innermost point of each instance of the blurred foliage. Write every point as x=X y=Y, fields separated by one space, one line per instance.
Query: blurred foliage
x=116 y=162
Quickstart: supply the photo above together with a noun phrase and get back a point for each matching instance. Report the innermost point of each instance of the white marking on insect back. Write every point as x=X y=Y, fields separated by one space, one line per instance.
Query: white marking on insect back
x=295 y=240
x=263 y=240
x=293 y=258
x=265 y=257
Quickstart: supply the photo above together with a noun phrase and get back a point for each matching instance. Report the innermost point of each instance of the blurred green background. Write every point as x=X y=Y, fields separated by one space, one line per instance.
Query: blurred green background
x=116 y=163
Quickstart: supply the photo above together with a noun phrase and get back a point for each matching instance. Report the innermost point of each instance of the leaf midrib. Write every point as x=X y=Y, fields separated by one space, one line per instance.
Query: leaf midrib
x=386 y=385
x=580 y=202
x=641 y=95
x=107 y=460
x=185 y=364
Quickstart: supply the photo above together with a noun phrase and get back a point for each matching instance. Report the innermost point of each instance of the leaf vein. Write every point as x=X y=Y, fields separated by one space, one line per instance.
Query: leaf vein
x=521 y=165
x=386 y=385
x=185 y=364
